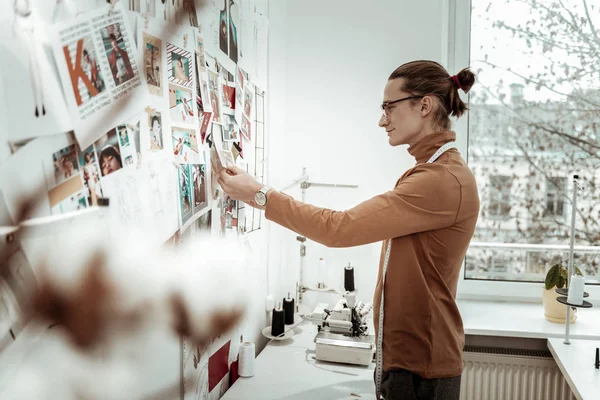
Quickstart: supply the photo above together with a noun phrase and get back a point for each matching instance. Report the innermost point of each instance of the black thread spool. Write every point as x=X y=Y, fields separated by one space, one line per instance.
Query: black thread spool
x=278 y=321
x=349 y=279
x=288 y=309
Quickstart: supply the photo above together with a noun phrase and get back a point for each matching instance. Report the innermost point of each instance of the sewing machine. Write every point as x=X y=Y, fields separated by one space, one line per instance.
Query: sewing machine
x=343 y=333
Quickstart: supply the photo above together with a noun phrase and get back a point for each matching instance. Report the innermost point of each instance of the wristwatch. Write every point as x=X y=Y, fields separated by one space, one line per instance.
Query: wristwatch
x=260 y=197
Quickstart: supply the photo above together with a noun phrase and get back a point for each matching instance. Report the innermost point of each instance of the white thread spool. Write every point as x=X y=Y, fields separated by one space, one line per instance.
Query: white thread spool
x=246 y=364
x=576 y=289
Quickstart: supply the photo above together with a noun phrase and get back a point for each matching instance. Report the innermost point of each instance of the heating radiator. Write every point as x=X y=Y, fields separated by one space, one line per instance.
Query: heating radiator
x=511 y=374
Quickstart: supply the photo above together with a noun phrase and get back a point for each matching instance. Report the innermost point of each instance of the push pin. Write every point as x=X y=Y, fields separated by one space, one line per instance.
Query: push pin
x=597 y=358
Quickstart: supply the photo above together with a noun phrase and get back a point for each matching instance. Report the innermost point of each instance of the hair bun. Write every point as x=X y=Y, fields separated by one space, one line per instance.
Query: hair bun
x=466 y=78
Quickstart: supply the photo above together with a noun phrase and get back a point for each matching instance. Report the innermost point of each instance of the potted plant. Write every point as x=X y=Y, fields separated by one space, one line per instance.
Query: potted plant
x=557 y=277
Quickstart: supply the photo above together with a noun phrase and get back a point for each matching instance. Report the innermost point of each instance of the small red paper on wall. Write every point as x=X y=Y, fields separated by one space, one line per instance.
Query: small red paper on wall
x=229 y=93
x=218 y=366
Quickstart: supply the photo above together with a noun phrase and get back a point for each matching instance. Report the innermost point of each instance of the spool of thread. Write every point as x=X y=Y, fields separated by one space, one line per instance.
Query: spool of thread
x=576 y=289
x=349 y=278
x=246 y=363
x=278 y=321
x=288 y=310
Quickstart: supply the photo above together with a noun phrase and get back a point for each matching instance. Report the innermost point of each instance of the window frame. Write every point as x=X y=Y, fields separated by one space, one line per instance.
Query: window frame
x=456 y=54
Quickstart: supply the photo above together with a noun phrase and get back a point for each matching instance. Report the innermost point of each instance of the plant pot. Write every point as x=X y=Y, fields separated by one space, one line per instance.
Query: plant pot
x=555 y=311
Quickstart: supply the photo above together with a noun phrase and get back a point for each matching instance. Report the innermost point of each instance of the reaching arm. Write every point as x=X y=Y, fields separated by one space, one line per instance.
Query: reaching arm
x=422 y=201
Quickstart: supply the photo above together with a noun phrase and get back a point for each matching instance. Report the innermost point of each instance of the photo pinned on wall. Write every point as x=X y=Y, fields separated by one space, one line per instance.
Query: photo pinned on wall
x=200 y=52
x=91 y=175
x=153 y=63
x=118 y=53
x=223 y=28
x=223 y=72
x=230 y=129
x=228 y=100
x=229 y=214
x=214 y=93
x=185 y=144
x=86 y=76
x=109 y=153
x=179 y=66
x=115 y=150
x=246 y=128
x=204 y=93
x=227 y=158
x=180 y=104
x=248 y=100
x=234 y=23
x=200 y=187
x=65 y=164
x=64 y=178
x=228 y=26
x=110 y=61
x=240 y=81
x=155 y=126
x=204 y=222
x=185 y=195
x=205 y=120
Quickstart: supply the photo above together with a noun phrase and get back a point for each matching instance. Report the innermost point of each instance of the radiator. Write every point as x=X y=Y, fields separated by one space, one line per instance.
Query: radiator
x=511 y=374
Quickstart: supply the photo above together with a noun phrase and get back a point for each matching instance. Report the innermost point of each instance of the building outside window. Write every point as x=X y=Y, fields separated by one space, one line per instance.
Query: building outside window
x=534 y=122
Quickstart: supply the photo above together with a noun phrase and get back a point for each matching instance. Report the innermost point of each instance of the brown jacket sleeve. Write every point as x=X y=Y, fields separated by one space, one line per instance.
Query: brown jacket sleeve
x=424 y=199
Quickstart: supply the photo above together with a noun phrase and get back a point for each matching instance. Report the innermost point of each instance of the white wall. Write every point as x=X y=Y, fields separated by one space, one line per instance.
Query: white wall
x=329 y=62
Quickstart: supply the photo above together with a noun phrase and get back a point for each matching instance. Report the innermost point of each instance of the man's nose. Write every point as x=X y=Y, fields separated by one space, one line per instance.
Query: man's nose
x=383 y=121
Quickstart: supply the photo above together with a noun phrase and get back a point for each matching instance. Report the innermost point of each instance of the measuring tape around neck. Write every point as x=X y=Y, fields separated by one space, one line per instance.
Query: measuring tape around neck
x=379 y=348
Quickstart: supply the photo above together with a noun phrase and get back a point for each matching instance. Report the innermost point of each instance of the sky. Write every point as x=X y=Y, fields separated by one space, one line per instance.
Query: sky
x=508 y=51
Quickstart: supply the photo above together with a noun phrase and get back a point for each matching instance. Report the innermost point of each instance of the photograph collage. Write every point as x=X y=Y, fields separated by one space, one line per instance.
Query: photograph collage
x=77 y=173
x=198 y=107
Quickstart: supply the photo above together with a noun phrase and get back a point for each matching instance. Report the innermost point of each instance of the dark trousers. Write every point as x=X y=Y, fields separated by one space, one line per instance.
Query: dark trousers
x=404 y=385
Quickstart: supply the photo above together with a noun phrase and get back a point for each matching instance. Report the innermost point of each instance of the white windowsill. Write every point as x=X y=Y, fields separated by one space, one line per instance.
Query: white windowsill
x=523 y=320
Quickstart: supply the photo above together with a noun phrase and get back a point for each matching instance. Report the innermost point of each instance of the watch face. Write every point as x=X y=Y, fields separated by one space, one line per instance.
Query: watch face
x=260 y=198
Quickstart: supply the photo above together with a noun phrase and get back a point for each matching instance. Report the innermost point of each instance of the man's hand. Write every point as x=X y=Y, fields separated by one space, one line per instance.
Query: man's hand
x=239 y=185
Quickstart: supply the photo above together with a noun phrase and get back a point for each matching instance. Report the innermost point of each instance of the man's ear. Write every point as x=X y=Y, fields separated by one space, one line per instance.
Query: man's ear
x=426 y=106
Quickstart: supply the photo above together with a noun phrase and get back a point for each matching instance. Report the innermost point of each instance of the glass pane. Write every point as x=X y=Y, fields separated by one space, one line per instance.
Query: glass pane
x=534 y=122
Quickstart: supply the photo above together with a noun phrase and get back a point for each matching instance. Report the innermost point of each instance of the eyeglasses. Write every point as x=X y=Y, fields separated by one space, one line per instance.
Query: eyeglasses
x=384 y=106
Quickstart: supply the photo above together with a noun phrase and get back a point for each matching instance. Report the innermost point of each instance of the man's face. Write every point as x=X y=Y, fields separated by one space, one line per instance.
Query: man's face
x=402 y=121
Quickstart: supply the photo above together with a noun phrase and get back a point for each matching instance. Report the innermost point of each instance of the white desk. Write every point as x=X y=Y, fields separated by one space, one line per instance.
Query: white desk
x=287 y=370
x=576 y=362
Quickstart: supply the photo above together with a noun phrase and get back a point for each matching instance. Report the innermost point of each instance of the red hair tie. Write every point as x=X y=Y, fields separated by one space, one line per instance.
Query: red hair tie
x=455 y=78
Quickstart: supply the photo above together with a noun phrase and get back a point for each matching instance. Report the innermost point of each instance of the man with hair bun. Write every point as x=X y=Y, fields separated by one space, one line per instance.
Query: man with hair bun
x=426 y=223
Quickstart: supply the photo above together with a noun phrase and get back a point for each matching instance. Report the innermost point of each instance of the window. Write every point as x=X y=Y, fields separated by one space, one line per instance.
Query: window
x=534 y=122
x=499 y=204
x=555 y=197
